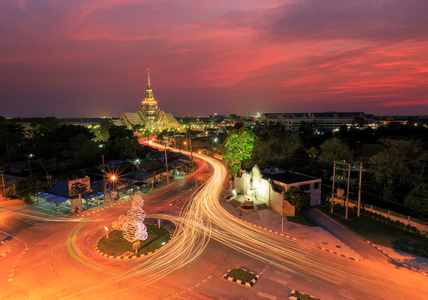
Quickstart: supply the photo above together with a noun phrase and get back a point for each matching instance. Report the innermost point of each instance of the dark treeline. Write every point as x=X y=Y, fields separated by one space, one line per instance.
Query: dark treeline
x=62 y=150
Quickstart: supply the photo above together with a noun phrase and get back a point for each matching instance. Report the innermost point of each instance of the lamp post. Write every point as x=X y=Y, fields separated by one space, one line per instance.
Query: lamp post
x=106 y=229
x=191 y=152
x=29 y=165
x=113 y=180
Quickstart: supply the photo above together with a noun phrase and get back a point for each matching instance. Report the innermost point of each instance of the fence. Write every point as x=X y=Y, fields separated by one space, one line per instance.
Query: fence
x=386 y=213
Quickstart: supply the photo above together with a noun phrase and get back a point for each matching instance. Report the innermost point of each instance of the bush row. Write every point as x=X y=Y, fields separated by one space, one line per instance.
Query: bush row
x=389 y=222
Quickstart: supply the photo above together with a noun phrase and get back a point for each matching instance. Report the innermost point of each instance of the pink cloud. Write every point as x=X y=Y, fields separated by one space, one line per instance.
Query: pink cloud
x=256 y=55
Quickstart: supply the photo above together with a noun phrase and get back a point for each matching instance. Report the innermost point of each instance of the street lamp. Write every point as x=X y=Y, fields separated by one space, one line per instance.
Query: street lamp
x=29 y=165
x=113 y=179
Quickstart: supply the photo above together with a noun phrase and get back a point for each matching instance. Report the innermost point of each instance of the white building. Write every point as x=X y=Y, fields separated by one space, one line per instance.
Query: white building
x=270 y=185
x=328 y=120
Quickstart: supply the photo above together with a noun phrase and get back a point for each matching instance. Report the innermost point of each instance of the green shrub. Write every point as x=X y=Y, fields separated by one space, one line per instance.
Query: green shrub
x=241 y=274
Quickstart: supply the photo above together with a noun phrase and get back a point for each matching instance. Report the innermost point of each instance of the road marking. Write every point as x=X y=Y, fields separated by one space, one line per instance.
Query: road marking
x=281 y=282
x=345 y=293
x=267 y=296
x=282 y=274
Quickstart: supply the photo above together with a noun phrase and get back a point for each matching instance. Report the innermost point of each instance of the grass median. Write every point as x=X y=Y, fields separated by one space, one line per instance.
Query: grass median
x=116 y=245
x=241 y=274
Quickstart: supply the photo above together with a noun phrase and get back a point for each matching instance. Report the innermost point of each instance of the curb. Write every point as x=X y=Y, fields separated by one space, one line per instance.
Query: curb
x=291 y=297
x=101 y=209
x=112 y=205
x=238 y=281
x=340 y=254
x=6 y=252
x=406 y=266
x=178 y=199
x=181 y=197
x=131 y=256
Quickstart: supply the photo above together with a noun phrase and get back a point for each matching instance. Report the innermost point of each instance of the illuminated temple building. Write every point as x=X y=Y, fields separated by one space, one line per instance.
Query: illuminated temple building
x=149 y=115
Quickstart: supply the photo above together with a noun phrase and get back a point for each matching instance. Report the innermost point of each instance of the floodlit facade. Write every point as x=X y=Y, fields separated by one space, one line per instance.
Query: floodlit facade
x=270 y=185
x=149 y=116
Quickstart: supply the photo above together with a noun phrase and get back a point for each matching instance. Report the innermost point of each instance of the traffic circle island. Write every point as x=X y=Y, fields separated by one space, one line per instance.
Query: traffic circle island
x=114 y=245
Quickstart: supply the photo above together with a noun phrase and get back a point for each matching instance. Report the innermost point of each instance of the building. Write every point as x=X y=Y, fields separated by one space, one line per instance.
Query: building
x=328 y=120
x=150 y=117
x=270 y=185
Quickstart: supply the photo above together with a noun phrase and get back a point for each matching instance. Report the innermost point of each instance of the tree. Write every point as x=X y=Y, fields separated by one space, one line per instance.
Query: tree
x=401 y=166
x=359 y=121
x=101 y=132
x=334 y=150
x=239 y=147
x=11 y=137
x=122 y=143
x=297 y=198
x=417 y=199
x=307 y=133
x=27 y=187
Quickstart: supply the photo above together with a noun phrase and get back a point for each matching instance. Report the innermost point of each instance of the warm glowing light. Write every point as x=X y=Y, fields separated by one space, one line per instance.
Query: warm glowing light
x=106 y=228
x=113 y=177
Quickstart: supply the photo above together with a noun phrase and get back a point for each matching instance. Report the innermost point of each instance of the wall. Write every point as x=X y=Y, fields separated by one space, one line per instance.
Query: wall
x=407 y=221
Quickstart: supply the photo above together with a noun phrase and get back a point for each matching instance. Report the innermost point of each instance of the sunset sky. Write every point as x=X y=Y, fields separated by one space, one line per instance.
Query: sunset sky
x=82 y=58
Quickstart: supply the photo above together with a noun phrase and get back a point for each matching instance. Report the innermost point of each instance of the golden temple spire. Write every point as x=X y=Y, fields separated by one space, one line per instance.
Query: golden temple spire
x=149 y=92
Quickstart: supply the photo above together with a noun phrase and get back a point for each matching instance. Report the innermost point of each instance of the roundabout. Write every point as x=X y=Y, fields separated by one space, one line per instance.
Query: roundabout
x=115 y=246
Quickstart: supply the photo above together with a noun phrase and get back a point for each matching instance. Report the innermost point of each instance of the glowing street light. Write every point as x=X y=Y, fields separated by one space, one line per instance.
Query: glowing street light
x=106 y=229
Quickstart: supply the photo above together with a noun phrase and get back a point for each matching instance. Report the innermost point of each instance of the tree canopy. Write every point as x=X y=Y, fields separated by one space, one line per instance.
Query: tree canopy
x=400 y=167
x=239 y=147
x=297 y=198
x=334 y=150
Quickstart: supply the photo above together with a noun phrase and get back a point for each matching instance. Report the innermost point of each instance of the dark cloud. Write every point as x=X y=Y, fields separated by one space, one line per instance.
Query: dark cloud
x=380 y=20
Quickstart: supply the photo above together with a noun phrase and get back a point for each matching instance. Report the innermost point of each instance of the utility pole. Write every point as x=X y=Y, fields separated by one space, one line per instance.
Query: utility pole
x=332 y=192
x=347 y=192
x=359 y=190
x=166 y=159
x=105 y=183
x=344 y=167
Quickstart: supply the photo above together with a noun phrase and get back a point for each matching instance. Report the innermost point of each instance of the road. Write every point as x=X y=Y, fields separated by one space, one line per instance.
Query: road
x=54 y=257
